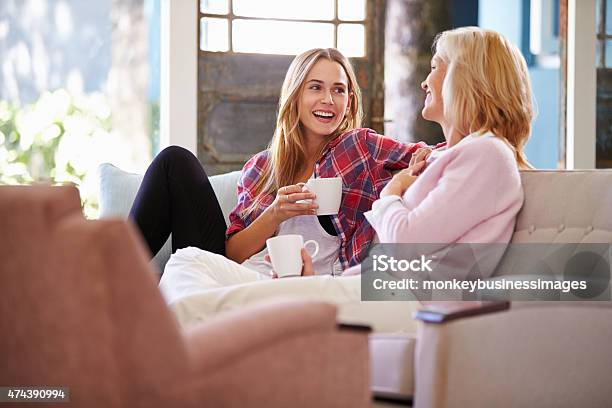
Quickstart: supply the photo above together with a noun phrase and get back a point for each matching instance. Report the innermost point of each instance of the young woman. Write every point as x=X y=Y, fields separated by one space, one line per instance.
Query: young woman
x=317 y=135
x=479 y=92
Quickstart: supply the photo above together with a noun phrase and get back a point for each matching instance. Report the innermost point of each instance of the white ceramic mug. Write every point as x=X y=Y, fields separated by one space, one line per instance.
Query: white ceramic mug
x=285 y=254
x=329 y=194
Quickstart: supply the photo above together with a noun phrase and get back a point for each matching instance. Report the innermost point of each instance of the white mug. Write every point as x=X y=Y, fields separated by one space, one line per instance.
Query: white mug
x=285 y=254
x=329 y=194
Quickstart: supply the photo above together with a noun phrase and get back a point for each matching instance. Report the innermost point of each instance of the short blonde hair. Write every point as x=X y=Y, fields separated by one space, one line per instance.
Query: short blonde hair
x=487 y=86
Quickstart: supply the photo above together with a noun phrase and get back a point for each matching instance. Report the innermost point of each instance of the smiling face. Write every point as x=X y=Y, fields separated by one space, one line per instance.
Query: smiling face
x=432 y=85
x=324 y=100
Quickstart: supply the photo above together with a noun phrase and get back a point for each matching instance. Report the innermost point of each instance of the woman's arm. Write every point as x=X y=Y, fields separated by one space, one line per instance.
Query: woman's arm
x=404 y=179
x=477 y=183
x=390 y=153
x=250 y=240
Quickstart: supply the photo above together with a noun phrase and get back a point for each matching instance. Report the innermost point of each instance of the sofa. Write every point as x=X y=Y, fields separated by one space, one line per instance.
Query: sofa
x=547 y=353
x=80 y=309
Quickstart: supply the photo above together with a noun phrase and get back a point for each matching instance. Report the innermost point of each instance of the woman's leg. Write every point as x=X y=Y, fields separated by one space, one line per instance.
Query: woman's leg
x=176 y=197
x=198 y=285
x=191 y=271
x=344 y=292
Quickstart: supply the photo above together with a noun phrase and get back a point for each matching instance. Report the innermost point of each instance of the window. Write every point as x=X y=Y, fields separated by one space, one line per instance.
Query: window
x=78 y=87
x=604 y=34
x=603 y=57
x=540 y=36
x=285 y=27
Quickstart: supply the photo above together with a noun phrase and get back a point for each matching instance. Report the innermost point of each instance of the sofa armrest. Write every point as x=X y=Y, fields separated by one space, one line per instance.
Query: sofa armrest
x=234 y=334
x=360 y=328
x=444 y=311
x=548 y=356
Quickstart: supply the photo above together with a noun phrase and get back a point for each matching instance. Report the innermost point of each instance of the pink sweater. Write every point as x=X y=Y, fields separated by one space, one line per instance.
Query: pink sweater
x=470 y=193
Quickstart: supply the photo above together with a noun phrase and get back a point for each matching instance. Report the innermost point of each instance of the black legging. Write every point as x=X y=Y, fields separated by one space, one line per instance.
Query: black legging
x=176 y=197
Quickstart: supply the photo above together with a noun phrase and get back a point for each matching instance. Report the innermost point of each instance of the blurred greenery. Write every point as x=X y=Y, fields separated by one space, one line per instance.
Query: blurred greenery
x=154 y=115
x=53 y=140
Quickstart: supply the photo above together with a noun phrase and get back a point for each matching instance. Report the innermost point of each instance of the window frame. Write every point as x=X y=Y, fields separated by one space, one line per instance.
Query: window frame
x=581 y=94
x=230 y=17
x=602 y=36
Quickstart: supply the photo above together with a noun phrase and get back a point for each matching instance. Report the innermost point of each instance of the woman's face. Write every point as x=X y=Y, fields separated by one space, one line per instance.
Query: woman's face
x=432 y=85
x=324 y=100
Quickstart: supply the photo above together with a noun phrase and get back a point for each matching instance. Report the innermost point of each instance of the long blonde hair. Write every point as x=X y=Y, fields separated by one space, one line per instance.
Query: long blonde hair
x=287 y=150
x=487 y=86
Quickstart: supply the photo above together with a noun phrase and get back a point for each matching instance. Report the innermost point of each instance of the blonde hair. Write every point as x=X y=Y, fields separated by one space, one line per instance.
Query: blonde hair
x=287 y=150
x=487 y=86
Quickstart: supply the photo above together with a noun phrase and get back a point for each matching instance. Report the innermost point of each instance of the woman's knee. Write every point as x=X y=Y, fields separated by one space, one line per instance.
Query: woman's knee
x=175 y=153
x=179 y=161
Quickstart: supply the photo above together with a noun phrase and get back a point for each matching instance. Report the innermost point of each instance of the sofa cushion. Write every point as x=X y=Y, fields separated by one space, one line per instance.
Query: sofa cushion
x=571 y=206
x=118 y=189
x=561 y=206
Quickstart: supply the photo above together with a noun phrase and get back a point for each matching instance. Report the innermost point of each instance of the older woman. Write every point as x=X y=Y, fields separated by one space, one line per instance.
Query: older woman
x=479 y=92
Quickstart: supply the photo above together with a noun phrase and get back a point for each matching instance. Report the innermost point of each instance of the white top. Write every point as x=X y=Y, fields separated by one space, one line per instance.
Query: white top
x=325 y=263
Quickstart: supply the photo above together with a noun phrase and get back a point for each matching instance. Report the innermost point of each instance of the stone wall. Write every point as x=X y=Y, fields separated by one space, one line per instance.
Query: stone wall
x=410 y=29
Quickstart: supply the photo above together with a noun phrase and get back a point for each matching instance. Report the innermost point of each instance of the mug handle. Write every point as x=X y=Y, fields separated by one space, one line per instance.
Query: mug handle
x=315 y=243
x=304 y=189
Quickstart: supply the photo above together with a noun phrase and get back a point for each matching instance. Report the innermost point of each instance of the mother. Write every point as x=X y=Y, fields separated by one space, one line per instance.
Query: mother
x=479 y=92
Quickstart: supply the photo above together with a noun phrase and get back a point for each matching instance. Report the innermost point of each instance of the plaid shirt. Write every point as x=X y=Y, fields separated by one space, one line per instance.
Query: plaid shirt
x=364 y=160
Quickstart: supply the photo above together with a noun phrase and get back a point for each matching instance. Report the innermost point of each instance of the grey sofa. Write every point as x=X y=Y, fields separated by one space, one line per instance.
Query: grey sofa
x=545 y=354
x=537 y=354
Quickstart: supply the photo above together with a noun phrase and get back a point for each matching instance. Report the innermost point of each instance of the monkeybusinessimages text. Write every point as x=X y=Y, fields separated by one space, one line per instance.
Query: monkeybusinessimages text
x=423 y=264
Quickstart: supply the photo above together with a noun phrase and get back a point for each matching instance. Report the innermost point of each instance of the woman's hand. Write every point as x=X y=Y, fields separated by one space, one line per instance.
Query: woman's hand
x=421 y=154
x=404 y=179
x=252 y=239
x=307 y=268
x=285 y=204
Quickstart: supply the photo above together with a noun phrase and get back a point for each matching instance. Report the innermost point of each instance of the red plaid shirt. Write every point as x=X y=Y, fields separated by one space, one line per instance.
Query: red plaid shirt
x=364 y=160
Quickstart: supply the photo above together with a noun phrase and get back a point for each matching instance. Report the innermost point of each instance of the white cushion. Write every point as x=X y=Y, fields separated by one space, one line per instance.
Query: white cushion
x=118 y=189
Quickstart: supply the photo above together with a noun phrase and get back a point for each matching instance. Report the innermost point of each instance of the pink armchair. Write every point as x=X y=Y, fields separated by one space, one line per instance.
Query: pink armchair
x=80 y=308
